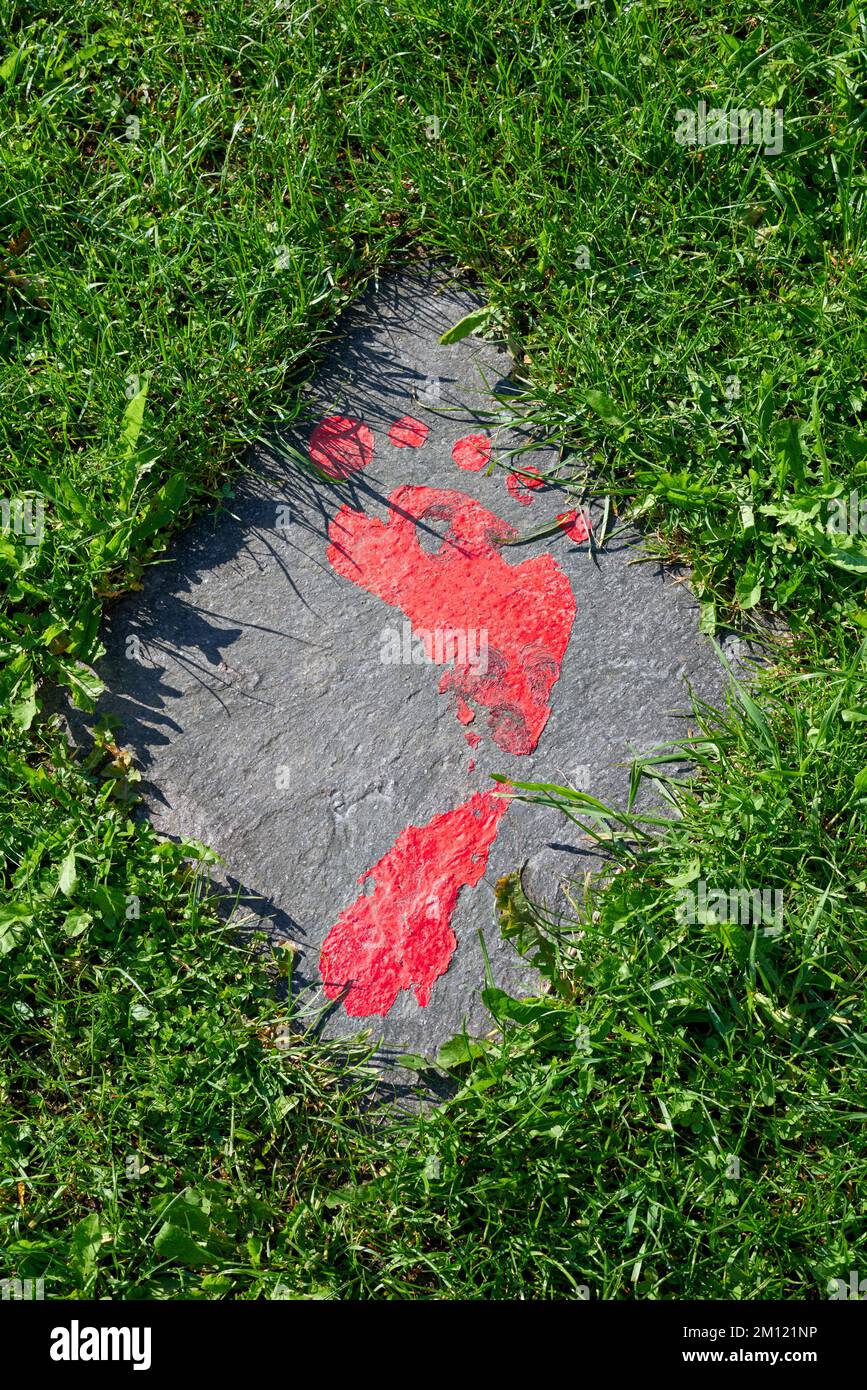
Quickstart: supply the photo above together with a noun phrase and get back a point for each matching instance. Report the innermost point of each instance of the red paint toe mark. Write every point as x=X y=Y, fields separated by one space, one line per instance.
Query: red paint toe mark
x=576 y=525
x=400 y=937
x=521 y=487
x=473 y=452
x=340 y=446
x=514 y=620
x=407 y=433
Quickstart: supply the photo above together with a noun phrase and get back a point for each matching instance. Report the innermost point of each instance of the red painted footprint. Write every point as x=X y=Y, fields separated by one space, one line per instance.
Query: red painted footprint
x=400 y=937
x=521 y=614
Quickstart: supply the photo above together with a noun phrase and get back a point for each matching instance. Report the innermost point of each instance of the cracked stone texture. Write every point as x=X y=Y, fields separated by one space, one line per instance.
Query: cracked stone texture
x=266 y=725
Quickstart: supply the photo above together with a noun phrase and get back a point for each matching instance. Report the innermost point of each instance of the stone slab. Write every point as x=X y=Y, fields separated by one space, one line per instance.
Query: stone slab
x=247 y=676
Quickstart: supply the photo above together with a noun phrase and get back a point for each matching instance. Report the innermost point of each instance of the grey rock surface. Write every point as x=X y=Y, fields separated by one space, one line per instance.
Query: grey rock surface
x=247 y=677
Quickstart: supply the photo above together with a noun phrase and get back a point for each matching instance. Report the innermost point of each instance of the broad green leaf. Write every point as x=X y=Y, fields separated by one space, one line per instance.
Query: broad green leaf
x=68 y=877
x=553 y=1130
x=176 y=1243
x=163 y=510
x=687 y=875
x=63 y=495
x=844 y=557
x=501 y=1005
x=465 y=326
x=131 y=421
x=85 y=684
x=748 y=589
x=459 y=1051
x=84 y=1248
x=607 y=409
x=788 y=436
x=517 y=921
x=9 y=65
x=111 y=903
x=76 y=923
x=413 y=1061
x=23 y=710
x=15 y=918
x=189 y=1211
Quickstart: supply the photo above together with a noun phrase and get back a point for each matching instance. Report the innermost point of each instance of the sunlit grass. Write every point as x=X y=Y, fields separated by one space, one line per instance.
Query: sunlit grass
x=189 y=196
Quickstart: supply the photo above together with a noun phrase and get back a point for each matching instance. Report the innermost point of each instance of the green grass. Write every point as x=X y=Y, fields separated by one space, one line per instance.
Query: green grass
x=189 y=195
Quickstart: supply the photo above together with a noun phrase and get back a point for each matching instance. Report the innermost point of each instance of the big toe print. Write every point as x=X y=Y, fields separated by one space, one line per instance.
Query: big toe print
x=502 y=627
x=341 y=446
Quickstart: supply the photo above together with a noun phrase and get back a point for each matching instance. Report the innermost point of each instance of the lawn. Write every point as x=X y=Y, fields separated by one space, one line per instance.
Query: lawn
x=190 y=194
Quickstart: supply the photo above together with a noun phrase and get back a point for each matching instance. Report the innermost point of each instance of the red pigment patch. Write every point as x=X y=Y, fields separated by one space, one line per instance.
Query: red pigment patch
x=473 y=739
x=523 y=612
x=575 y=524
x=473 y=452
x=522 y=487
x=340 y=446
x=400 y=937
x=465 y=714
x=407 y=433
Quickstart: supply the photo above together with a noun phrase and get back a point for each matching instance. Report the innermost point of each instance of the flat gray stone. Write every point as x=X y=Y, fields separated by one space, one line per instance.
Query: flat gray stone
x=247 y=676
